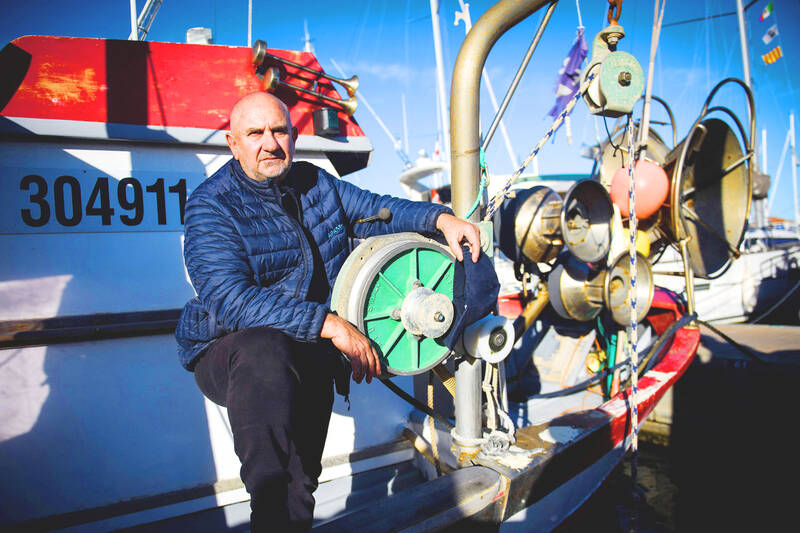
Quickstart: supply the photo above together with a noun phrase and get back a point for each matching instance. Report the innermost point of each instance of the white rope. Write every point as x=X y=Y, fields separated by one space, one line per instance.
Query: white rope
x=502 y=194
x=633 y=355
x=498 y=441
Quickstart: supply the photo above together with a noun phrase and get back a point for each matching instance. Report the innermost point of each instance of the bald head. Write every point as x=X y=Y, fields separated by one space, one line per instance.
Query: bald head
x=262 y=137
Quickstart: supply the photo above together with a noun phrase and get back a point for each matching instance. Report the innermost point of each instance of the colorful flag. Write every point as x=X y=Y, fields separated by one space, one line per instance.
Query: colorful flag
x=767 y=11
x=569 y=76
x=772 y=56
x=771 y=33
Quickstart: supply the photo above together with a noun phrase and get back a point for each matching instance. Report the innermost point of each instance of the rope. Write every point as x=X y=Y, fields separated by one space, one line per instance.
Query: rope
x=777 y=304
x=633 y=355
x=417 y=404
x=484 y=182
x=502 y=194
x=498 y=441
x=447 y=378
x=744 y=349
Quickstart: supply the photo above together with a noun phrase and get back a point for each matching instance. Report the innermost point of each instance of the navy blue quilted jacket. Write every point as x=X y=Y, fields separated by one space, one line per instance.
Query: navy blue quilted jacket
x=251 y=263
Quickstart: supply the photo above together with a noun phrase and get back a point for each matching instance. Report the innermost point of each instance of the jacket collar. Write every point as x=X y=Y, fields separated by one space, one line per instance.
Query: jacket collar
x=267 y=189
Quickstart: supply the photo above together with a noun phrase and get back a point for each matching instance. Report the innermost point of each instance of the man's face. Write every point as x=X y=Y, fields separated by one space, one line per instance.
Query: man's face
x=262 y=137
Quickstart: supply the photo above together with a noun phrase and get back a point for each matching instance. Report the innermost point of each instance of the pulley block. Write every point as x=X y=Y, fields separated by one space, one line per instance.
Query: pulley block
x=398 y=290
x=619 y=79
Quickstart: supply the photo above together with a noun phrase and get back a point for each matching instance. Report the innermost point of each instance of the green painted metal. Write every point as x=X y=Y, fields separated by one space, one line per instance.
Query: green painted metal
x=621 y=97
x=400 y=351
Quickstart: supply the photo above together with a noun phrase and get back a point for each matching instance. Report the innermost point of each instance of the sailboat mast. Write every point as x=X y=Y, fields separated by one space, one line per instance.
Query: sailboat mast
x=134 y=36
x=794 y=170
x=743 y=43
x=759 y=206
x=249 y=23
x=440 y=87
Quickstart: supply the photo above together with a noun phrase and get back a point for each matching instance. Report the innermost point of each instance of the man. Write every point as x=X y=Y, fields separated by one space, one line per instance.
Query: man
x=264 y=241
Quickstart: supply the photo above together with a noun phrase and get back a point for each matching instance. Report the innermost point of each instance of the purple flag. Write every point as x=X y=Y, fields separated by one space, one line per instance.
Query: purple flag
x=569 y=75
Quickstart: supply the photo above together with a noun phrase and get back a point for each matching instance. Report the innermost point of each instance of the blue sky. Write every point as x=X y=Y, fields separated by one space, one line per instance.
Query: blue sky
x=388 y=43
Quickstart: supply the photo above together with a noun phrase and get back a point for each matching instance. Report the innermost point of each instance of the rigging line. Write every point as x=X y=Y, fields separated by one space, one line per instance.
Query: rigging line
x=699 y=19
x=742 y=348
x=777 y=304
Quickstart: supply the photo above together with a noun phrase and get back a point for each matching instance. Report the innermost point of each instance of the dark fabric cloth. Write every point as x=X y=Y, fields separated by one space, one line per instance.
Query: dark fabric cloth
x=279 y=397
x=253 y=264
x=475 y=290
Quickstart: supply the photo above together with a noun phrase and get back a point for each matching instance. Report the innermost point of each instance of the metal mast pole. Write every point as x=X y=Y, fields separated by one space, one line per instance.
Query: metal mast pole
x=134 y=36
x=794 y=170
x=743 y=43
x=440 y=87
x=759 y=214
x=249 y=23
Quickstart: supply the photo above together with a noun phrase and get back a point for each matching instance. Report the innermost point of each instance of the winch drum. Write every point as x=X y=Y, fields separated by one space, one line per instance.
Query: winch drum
x=398 y=290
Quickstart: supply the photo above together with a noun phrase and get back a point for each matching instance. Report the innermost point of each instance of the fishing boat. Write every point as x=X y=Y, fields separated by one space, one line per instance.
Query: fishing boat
x=103 y=141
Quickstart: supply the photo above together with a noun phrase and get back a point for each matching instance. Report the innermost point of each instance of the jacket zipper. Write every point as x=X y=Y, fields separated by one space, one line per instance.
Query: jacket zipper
x=303 y=241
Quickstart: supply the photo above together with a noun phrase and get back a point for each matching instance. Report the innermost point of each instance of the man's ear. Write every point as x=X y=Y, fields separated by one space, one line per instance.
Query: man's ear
x=232 y=145
x=294 y=133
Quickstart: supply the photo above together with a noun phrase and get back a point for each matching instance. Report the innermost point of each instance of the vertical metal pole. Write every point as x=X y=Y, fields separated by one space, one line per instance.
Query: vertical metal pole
x=440 y=87
x=794 y=169
x=134 y=36
x=688 y=274
x=774 y=186
x=759 y=207
x=405 y=123
x=249 y=23
x=743 y=43
x=465 y=172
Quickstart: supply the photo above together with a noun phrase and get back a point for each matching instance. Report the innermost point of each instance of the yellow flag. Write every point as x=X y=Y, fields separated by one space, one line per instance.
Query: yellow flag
x=772 y=56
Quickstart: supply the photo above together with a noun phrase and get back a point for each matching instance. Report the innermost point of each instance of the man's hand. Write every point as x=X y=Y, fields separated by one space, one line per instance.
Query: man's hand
x=352 y=343
x=455 y=230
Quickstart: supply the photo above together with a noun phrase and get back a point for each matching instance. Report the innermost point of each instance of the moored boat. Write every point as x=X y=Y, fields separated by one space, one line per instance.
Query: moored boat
x=103 y=142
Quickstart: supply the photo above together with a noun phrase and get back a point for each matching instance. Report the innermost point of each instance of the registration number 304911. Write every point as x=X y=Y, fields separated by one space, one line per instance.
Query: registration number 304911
x=64 y=203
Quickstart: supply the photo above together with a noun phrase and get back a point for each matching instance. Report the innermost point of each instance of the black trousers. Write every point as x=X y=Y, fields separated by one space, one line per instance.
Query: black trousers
x=279 y=395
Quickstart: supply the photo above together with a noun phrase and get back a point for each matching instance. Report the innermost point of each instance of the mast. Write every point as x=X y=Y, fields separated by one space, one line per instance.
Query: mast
x=249 y=23
x=743 y=43
x=444 y=133
x=794 y=170
x=759 y=214
x=134 y=29
x=307 y=46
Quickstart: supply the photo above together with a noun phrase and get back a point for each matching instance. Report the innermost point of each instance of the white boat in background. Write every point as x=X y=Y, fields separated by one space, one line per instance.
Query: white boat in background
x=766 y=275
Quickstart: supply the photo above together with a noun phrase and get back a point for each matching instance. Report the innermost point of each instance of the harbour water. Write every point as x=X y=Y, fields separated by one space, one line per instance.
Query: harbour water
x=728 y=460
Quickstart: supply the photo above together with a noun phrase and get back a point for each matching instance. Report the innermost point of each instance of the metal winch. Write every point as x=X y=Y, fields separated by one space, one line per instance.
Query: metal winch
x=398 y=290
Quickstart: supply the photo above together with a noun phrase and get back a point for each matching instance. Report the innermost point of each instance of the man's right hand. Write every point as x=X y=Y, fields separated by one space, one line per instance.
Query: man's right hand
x=352 y=343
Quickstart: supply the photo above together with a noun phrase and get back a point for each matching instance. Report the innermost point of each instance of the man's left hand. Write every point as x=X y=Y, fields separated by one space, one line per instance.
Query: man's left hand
x=456 y=230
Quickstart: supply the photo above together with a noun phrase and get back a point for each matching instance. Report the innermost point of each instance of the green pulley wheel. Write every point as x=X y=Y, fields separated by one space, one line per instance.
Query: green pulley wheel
x=398 y=290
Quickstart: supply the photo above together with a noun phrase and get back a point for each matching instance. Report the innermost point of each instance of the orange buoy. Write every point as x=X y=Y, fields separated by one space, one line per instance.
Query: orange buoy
x=650 y=184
